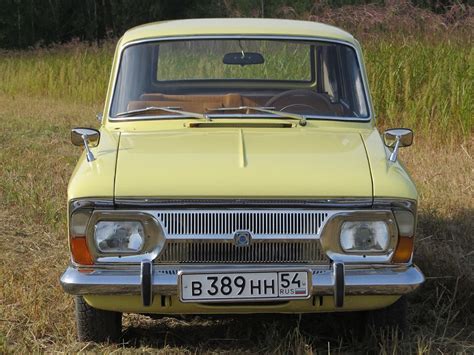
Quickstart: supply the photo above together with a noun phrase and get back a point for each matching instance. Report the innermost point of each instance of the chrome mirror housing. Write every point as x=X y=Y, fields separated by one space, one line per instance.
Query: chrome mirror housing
x=87 y=137
x=396 y=138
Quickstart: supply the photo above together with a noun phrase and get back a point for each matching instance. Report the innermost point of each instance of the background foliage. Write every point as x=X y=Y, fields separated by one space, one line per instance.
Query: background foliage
x=25 y=23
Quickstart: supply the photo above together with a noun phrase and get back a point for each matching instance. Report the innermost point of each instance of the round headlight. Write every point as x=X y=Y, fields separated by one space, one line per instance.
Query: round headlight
x=364 y=236
x=119 y=236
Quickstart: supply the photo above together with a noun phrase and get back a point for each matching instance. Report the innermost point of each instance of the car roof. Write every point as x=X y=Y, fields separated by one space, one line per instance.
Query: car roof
x=235 y=26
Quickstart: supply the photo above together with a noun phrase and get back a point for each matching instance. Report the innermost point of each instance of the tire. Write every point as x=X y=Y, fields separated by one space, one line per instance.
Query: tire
x=393 y=316
x=97 y=325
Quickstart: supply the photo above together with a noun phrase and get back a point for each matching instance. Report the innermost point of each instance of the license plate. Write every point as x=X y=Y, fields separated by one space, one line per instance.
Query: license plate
x=243 y=286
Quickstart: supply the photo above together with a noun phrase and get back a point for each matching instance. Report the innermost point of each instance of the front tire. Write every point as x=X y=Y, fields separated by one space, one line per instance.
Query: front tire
x=97 y=325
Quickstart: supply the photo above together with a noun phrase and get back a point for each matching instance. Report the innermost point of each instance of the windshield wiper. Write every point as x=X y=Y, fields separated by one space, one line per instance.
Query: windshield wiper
x=295 y=116
x=205 y=116
x=170 y=109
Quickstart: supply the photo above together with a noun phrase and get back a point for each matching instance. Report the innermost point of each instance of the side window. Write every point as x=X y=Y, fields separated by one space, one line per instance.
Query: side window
x=330 y=76
x=134 y=76
x=352 y=89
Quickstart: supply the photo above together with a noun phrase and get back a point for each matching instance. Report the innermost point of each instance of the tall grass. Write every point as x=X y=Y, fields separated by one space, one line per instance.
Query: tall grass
x=75 y=72
x=424 y=84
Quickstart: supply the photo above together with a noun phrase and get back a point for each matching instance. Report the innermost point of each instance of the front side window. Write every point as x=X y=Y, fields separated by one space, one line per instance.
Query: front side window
x=228 y=76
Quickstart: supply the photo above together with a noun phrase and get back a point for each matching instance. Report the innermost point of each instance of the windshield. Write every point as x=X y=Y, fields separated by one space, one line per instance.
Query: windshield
x=219 y=77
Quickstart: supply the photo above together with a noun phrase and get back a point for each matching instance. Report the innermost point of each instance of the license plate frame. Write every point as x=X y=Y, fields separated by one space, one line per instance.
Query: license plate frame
x=197 y=275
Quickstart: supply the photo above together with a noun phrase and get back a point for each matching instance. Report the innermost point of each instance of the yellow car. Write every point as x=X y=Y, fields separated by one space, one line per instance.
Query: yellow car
x=238 y=169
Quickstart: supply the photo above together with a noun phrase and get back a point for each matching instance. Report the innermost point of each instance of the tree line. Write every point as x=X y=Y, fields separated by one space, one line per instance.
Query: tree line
x=27 y=23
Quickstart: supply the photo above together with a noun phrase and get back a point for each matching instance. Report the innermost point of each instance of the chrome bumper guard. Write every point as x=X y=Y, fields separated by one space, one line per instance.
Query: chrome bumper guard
x=147 y=280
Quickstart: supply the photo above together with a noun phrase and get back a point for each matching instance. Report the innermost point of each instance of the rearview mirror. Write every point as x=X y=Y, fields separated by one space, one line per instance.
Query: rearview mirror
x=87 y=137
x=396 y=138
x=243 y=58
x=404 y=135
x=92 y=136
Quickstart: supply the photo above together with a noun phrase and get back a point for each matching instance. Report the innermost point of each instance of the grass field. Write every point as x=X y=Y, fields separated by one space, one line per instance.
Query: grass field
x=425 y=84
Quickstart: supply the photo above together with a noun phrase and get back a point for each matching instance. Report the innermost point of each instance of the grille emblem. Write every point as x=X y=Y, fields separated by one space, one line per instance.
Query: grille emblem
x=242 y=238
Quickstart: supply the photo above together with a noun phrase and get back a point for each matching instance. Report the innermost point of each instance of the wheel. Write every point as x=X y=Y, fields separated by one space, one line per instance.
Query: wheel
x=95 y=324
x=393 y=316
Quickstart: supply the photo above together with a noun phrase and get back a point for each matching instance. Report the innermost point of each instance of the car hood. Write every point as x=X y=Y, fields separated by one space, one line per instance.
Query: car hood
x=242 y=163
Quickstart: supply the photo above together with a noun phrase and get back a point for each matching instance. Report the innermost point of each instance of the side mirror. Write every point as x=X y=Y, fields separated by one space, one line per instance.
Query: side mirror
x=396 y=138
x=87 y=137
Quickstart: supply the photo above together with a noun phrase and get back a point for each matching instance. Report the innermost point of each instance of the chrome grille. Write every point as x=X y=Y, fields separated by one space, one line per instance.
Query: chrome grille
x=225 y=251
x=225 y=223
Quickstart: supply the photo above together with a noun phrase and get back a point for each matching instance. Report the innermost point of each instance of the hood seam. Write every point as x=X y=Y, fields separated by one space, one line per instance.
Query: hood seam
x=116 y=164
x=370 y=166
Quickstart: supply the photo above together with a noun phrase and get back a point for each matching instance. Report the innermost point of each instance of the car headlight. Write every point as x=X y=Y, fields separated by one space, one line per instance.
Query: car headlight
x=364 y=236
x=119 y=236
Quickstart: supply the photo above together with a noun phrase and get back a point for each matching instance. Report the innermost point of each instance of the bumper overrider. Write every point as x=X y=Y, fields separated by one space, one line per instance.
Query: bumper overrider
x=149 y=280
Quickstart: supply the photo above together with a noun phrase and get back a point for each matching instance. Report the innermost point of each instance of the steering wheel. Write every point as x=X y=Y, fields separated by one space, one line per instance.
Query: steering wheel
x=301 y=109
x=299 y=98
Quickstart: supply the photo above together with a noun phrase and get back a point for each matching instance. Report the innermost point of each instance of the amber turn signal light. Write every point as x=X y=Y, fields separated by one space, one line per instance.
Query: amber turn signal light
x=80 y=251
x=404 y=250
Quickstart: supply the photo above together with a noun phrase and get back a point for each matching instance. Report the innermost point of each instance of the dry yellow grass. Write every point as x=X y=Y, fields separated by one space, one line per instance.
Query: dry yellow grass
x=36 y=160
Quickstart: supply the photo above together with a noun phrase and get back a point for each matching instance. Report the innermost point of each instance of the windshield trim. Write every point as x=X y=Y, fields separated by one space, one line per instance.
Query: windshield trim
x=365 y=87
x=154 y=117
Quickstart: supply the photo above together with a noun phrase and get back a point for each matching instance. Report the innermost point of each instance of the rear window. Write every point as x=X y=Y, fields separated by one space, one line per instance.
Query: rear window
x=203 y=60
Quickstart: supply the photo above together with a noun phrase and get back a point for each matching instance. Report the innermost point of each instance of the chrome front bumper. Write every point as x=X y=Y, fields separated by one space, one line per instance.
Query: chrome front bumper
x=337 y=280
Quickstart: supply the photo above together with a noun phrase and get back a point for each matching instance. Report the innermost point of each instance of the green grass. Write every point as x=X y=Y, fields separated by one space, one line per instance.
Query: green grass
x=424 y=84
x=74 y=73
